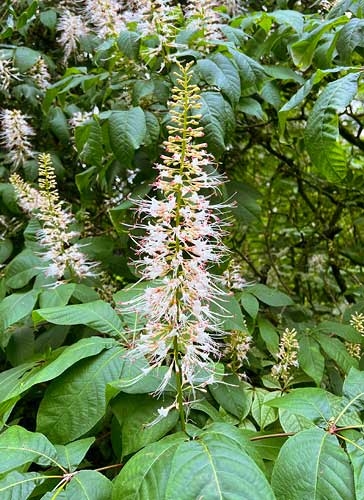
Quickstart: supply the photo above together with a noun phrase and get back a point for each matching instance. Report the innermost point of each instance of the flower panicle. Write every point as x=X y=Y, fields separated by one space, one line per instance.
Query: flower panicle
x=183 y=231
x=62 y=255
x=15 y=136
x=287 y=356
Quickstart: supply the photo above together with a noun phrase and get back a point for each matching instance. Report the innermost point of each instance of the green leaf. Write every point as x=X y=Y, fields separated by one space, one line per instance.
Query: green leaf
x=217 y=120
x=58 y=125
x=263 y=414
x=84 y=485
x=75 y=401
x=342 y=330
x=56 y=297
x=290 y=17
x=48 y=18
x=249 y=303
x=313 y=403
x=250 y=106
x=22 y=269
x=72 y=454
x=19 y=446
x=353 y=390
x=247 y=210
x=302 y=52
x=135 y=413
x=127 y=130
x=19 y=486
x=129 y=43
x=251 y=73
x=6 y=249
x=336 y=350
x=355 y=451
x=16 y=307
x=25 y=58
x=350 y=37
x=311 y=465
x=310 y=359
x=270 y=296
x=214 y=466
x=322 y=137
x=269 y=335
x=220 y=72
x=88 y=138
x=98 y=315
x=234 y=396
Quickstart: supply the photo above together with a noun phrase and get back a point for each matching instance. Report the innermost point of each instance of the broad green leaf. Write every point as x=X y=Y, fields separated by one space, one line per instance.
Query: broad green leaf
x=247 y=210
x=251 y=107
x=129 y=43
x=350 y=37
x=229 y=310
x=353 y=391
x=127 y=130
x=88 y=138
x=19 y=446
x=136 y=414
x=19 y=485
x=98 y=315
x=214 y=466
x=290 y=17
x=310 y=359
x=48 y=18
x=16 y=307
x=64 y=359
x=217 y=120
x=22 y=269
x=322 y=137
x=263 y=414
x=342 y=330
x=9 y=379
x=270 y=296
x=233 y=395
x=75 y=401
x=303 y=50
x=56 y=297
x=219 y=71
x=251 y=72
x=336 y=350
x=311 y=465
x=72 y=454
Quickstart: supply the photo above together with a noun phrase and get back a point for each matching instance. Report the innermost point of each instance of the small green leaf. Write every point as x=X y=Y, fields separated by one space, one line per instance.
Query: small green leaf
x=310 y=359
x=22 y=269
x=129 y=43
x=249 y=303
x=269 y=335
x=16 y=307
x=270 y=296
x=234 y=396
x=57 y=297
x=263 y=414
x=72 y=454
x=336 y=350
x=6 y=248
x=58 y=125
x=48 y=18
x=25 y=58
x=350 y=37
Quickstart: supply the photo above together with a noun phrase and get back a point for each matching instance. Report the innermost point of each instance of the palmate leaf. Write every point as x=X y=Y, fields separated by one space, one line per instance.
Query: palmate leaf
x=312 y=465
x=213 y=467
x=322 y=132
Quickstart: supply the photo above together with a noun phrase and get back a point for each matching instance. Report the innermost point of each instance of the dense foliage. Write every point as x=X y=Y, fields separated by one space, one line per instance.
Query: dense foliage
x=181 y=289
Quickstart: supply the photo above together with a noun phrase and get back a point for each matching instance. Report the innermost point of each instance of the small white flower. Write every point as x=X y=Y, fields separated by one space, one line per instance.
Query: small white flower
x=14 y=136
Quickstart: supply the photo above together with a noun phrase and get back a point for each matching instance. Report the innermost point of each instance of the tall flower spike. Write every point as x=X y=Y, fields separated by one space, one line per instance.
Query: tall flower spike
x=15 y=136
x=183 y=237
x=61 y=255
x=105 y=16
x=71 y=28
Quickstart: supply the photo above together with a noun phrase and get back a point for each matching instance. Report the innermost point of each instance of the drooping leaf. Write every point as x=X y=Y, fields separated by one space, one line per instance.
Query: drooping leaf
x=322 y=131
x=336 y=350
x=310 y=358
x=127 y=130
x=75 y=401
x=312 y=464
x=350 y=37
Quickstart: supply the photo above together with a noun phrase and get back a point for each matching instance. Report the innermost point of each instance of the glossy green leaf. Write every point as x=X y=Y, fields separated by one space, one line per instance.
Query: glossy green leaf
x=98 y=315
x=263 y=414
x=249 y=303
x=75 y=401
x=15 y=307
x=22 y=269
x=312 y=464
x=56 y=297
x=234 y=396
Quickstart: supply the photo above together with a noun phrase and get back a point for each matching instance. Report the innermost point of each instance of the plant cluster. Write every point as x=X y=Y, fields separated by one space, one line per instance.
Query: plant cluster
x=181 y=297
